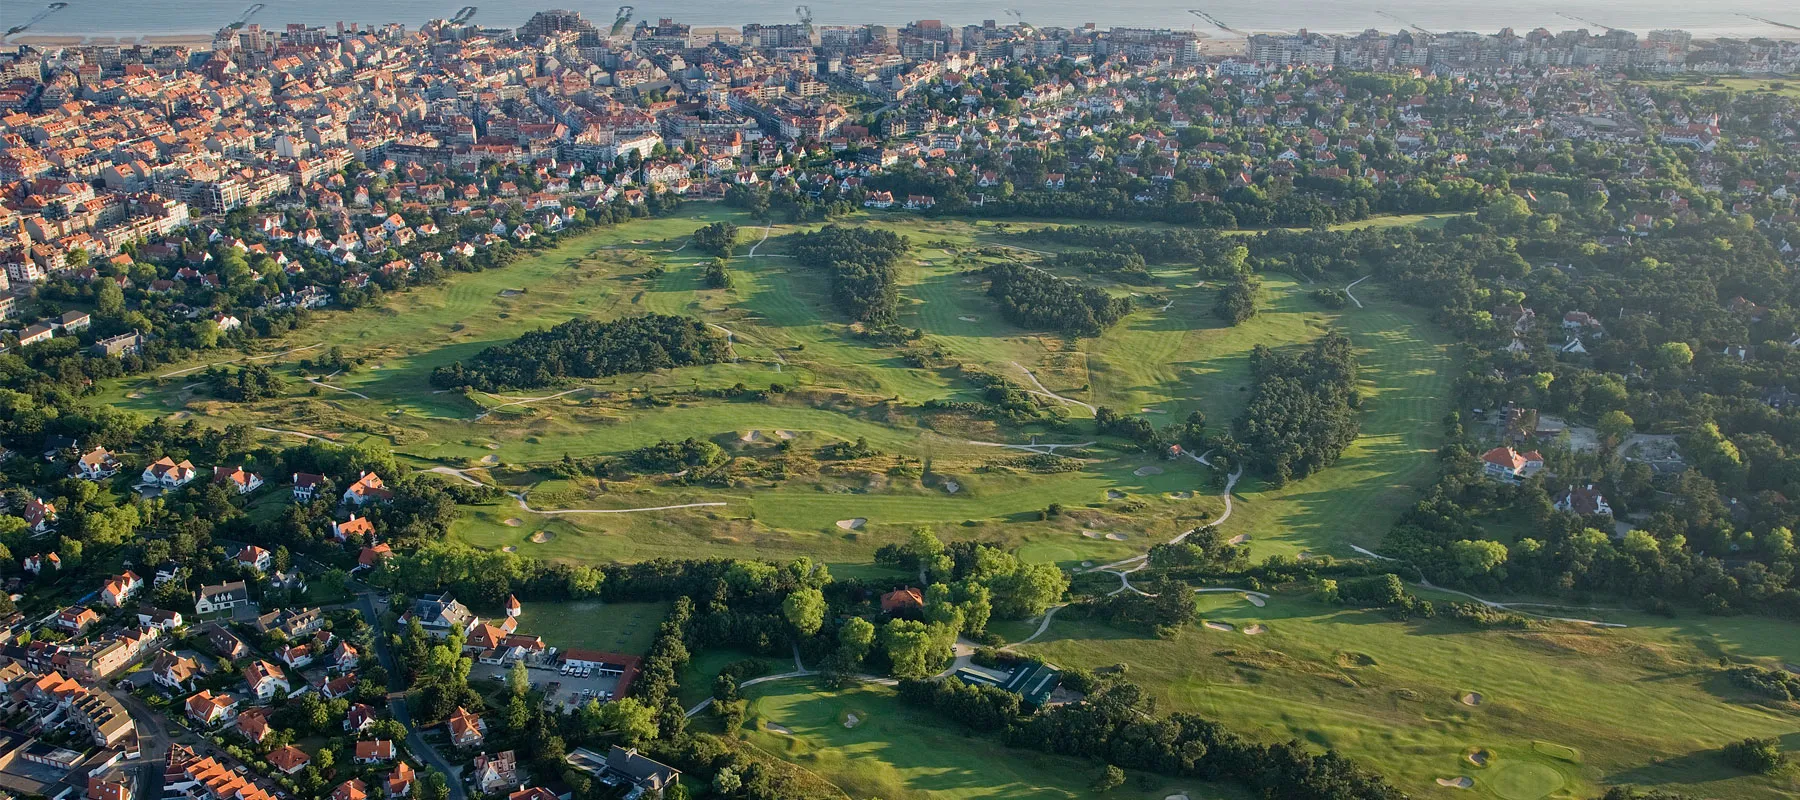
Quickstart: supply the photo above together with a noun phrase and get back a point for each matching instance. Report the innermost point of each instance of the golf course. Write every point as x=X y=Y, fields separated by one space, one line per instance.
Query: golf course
x=1441 y=709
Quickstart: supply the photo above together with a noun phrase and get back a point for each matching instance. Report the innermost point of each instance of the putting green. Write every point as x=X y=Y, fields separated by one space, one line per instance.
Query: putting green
x=1040 y=553
x=1525 y=780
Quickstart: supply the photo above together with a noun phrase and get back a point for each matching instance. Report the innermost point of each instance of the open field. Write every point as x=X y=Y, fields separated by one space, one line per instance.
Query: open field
x=899 y=753
x=1636 y=705
x=1169 y=357
x=626 y=628
x=1788 y=88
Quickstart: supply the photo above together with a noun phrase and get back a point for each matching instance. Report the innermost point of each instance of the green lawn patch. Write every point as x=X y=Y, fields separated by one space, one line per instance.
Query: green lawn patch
x=626 y=628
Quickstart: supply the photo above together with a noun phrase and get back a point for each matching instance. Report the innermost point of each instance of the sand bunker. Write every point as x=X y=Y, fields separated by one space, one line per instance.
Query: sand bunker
x=511 y=548
x=510 y=293
x=180 y=415
x=1255 y=601
x=1458 y=782
x=952 y=487
x=1479 y=758
x=1176 y=797
x=493 y=445
x=1149 y=410
x=1092 y=534
x=1144 y=471
x=136 y=395
x=1183 y=495
x=969 y=319
x=786 y=434
x=1219 y=626
x=490 y=459
x=852 y=524
x=1472 y=699
x=1240 y=538
x=1257 y=629
x=851 y=720
x=1087 y=563
x=751 y=436
x=1117 y=537
x=776 y=728
x=1114 y=494
x=514 y=522
x=541 y=537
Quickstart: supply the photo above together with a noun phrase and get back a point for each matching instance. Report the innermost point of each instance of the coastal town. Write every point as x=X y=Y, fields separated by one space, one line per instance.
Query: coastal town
x=166 y=205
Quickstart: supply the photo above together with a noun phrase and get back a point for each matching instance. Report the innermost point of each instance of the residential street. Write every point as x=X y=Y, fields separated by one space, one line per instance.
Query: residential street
x=365 y=602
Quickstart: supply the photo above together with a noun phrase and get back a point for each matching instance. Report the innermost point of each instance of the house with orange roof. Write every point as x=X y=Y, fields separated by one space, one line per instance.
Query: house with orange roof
x=264 y=680
x=374 y=751
x=237 y=479
x=399 y=782
x=254 y=557
x=253 y=724
x=120 y=588
x=466 y=729
x=1507 y=464
x=289 y=760
x=368 y=488
x=355 y=526
x=208 y=709
x=167 y=474
x=353 y=789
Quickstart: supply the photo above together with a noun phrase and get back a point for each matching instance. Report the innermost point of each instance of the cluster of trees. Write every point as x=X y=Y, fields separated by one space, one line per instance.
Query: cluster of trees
x=1216 y=255
x=1237 y=300
x=667 y=456
x=247 y=385
x=1033 y=298
x=1303 y=411
x=1776 y=684
x=862 y=264
x=1123 y=265
x=1117 y=725
x=583 y=348
x=719 y=239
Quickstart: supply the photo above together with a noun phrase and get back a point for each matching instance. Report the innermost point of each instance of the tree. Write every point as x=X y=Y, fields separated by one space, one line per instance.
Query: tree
x=1477 y=558
x=1760 y=756
x=909 y=647
x=518 y=680
x=431 y=786
x=1674 y=354
x=1110 y=778
x=1237 y=301
x=634 y=721
x=726 y=782
x=854 y=640
x=1614 y=426
x=804 y=608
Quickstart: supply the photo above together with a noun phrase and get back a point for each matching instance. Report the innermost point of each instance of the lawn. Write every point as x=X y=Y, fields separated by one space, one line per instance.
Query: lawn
x=899 y=753
x=1631 y=706
x=625 y=628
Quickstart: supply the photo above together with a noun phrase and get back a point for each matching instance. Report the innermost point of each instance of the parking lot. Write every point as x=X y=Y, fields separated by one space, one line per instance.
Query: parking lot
x=571 y=690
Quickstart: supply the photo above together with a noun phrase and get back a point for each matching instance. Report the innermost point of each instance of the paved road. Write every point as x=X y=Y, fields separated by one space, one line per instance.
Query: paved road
x=415 y=743
x=153 y=743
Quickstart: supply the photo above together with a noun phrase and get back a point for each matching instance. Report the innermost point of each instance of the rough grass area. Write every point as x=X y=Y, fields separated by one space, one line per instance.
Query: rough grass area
x=1169 y=357
x=1584 y=707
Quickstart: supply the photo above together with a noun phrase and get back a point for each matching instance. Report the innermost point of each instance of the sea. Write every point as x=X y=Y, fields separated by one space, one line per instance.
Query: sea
x=1704 y=19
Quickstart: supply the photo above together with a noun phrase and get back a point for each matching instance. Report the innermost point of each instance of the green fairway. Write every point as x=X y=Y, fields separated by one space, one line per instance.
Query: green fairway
x=626 y=628
x=1643 y=705
x=1169 y=357
x=867 y=742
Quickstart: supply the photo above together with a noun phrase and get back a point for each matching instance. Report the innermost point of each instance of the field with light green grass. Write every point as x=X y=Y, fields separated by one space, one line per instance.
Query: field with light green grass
x=1562 y=710
x=868 y=743
x=1169 y=357
x=626 y=628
